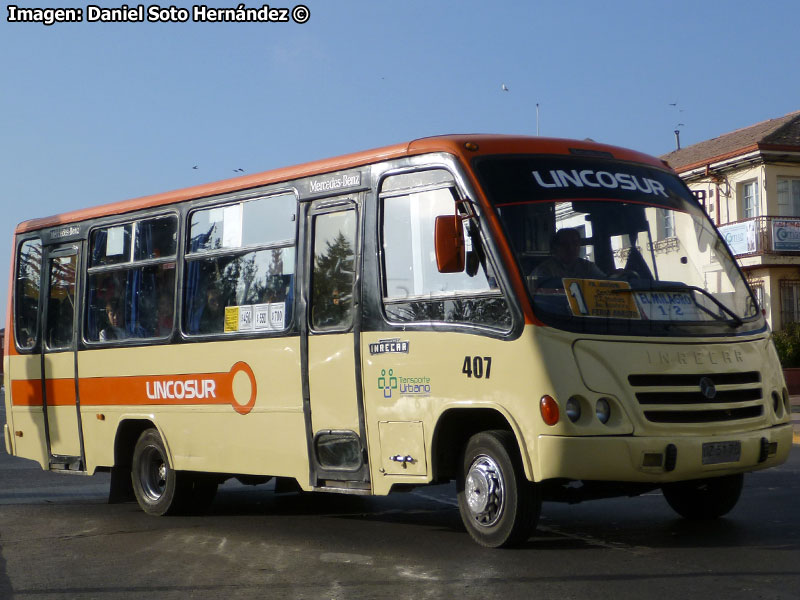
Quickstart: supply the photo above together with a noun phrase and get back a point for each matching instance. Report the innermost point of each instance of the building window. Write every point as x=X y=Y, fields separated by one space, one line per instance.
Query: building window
x=750 y=202
x=758 y=291
x=788 y=197
x=790 y=301
x=667 y=223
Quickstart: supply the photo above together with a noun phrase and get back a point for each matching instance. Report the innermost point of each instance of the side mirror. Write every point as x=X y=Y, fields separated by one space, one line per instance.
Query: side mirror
x=449 y=242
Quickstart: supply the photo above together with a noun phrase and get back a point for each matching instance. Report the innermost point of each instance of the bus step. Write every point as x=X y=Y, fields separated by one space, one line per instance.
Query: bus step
x=344 y=487
x=67 y=464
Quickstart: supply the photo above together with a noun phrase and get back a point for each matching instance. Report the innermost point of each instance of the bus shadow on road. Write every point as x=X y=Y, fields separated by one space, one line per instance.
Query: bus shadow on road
x=585 y=527
x=401 y=509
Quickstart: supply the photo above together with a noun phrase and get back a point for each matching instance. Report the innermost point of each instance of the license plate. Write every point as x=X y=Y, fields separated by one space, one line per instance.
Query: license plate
x=715 y=453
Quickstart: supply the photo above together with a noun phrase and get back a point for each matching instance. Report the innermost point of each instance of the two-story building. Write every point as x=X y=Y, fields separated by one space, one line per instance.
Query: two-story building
x=749 y=183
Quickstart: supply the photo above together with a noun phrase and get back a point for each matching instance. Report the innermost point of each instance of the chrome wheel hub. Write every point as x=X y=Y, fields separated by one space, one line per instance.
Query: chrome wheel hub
x=485 y=491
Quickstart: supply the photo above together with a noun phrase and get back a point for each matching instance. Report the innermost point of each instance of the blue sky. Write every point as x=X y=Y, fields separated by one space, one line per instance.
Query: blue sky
x=99 y=112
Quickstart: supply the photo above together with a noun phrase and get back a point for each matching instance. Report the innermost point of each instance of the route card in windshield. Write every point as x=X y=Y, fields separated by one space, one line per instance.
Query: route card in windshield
x=667 y=306
x=600 y=298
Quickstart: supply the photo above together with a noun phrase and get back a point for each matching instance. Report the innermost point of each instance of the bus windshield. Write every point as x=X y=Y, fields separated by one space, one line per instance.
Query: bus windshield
x=616 y=247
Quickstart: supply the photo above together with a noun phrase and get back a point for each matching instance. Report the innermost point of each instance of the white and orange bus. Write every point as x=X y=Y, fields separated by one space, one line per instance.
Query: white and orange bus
x=532 y=318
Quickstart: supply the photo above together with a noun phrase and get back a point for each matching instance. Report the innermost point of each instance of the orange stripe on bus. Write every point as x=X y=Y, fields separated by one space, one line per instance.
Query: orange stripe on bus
x=140 y=390
x=28 y=392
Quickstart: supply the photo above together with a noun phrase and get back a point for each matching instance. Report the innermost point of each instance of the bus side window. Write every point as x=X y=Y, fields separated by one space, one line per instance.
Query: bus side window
x=61 y=302
x=29 y=267
x=334 y=270
x=131 y=283
x=414 y=289
x=240 y=255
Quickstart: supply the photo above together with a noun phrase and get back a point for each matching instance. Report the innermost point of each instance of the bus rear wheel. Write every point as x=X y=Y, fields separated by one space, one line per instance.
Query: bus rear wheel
x=498 y=505
x=159 y=489
x=704 y=499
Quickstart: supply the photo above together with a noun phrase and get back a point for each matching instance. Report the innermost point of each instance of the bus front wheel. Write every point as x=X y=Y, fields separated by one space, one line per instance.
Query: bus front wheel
x=704 y=499
x=159 y=489
x=498 y=505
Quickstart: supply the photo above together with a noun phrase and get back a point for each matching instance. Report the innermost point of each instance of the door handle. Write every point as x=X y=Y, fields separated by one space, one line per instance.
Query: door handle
x=402 y=459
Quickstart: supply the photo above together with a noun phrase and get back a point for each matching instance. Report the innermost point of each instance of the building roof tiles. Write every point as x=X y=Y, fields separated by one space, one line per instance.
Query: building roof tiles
x=780 y=132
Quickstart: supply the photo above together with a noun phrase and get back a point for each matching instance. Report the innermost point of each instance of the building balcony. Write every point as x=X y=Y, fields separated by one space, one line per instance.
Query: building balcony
x=767 y=236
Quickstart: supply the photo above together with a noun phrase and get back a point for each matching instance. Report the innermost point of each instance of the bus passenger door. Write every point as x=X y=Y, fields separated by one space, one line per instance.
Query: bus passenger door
x=334 y=410
x=59 y=383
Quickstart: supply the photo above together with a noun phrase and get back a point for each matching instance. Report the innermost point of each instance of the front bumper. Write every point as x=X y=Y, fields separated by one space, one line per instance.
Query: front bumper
x=622 y=458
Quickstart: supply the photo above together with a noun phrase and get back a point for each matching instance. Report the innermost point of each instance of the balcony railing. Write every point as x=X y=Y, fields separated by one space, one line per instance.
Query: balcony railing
x=763 y=235
x=671 y=244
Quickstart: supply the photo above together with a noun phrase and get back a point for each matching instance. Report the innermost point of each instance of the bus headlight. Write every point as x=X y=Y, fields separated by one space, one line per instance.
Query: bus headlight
x=603 y=410
x=777 y=404
x=574 y=408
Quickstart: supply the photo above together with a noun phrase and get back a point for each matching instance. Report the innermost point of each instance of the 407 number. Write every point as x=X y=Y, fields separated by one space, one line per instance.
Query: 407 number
x=479 y=367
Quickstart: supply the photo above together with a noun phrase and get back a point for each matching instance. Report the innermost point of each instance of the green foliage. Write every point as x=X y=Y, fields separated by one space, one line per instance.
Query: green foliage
x=787 y=343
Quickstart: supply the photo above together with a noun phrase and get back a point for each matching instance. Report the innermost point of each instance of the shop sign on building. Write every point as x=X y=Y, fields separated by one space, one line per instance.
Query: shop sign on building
x=740 y=237
x=786 y=235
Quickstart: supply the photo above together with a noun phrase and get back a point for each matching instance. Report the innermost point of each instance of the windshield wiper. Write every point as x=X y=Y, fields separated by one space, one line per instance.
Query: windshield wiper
x=737 y=320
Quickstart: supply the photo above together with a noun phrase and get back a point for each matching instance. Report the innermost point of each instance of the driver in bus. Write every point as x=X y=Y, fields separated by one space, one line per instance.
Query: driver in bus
x=565 y=260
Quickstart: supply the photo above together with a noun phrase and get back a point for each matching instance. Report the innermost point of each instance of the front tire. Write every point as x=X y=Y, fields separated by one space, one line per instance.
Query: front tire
x=498 y=505
x=704 y=499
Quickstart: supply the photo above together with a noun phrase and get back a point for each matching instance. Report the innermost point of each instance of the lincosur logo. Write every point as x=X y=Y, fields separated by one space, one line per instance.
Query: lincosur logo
x=178 y=389
x=560 y=178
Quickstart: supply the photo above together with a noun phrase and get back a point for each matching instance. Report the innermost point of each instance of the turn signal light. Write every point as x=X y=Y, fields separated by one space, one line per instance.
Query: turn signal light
x=549 y=409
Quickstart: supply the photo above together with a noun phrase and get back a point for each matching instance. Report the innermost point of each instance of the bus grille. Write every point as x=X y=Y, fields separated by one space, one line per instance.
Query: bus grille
x=681 y=399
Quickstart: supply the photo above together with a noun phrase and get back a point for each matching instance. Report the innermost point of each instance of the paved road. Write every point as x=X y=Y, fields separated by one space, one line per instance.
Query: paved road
x=59 y=539
x=796 y=418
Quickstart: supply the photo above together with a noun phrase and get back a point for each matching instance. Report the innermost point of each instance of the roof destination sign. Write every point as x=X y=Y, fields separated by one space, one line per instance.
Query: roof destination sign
x=530 y=178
